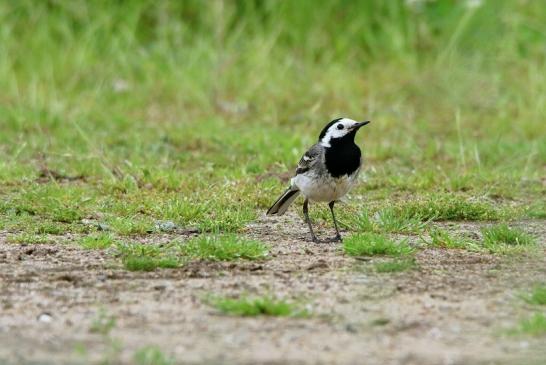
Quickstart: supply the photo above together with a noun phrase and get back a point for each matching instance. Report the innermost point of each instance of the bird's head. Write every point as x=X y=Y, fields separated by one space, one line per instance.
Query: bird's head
x=341 y=129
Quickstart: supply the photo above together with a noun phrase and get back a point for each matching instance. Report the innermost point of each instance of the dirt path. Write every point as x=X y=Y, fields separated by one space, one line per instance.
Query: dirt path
x=453 y=309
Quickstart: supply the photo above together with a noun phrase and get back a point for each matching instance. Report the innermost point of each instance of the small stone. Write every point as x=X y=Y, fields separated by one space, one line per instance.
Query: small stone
x=45 y=317
x=103 y=227
x=166 y=226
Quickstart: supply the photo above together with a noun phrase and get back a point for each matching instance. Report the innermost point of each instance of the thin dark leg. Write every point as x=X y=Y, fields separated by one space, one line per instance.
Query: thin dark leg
x=338 y=235
x=306 y=214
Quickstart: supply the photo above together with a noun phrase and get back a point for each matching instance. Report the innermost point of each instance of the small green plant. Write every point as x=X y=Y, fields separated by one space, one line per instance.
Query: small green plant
x=226 y=220
x=537 y=295
x=369 y=244
x=537 y=211
x=392 y=221
x=148 y=263
x=97 y=241
x=534 y=326
x=449 y=208
x=504 y=239
x=224 y=248
x=250 y=307
x=442 y=239
x=49 y=228
x=138 y=249
x=102 y=323
x=130 y=226
x=148 y=257
x=66 y=215
x=388 y=220
x=27 y=238
x=152 y=355
x=361 y=222
x=395 y=266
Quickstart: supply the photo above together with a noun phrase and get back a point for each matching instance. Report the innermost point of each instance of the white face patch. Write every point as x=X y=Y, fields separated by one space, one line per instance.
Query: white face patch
x=336 y=130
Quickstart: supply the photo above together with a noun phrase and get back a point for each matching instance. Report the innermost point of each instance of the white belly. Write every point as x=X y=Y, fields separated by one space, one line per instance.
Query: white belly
x=324 y=189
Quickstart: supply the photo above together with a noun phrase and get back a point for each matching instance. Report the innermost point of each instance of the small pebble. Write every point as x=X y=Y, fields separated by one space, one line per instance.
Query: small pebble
x=103 y=227
x=166 y=226
x=45 y=318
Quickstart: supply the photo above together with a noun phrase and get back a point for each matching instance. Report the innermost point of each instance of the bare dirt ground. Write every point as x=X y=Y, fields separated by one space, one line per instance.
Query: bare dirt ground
x=454 y=308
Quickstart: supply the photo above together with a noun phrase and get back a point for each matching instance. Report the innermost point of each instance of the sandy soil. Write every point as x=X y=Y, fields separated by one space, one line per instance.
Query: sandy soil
x=455 y=308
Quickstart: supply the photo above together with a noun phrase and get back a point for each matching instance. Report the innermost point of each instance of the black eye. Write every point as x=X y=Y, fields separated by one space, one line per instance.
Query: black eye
x=340 y=126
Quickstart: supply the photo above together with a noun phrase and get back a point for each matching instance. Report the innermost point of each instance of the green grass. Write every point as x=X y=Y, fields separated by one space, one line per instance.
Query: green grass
x=258 y=306
x=395 y=266
x=103 y=323
x=128 y=226
x=537 y=211
x=28 y=239
x=225 y=247
x=97 y=241
x=147 y=263
x=129 y=113
x=152 y=355
x=50 y=228
x=534 y=325
x=504 y=239
x=371 y=244
x=537 y=296
x=443 y=239
x=449 y=208
x=216 y=247
x=387 y=220
x=148 y=257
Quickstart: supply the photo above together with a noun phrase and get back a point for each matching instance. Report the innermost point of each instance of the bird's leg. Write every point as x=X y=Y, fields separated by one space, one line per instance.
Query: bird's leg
x=338 y=235
x=306 y=214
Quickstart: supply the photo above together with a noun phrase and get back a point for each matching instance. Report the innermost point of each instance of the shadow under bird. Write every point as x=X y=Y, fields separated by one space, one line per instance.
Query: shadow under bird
x=326 y=172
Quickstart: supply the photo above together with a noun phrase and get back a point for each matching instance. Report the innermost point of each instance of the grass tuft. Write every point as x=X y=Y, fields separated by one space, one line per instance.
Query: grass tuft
x=130 y=226
x=449 y=208
x=395 y=266
x=97 y=242
x=534 y=326
x=537 y=296
x=504 y=239
x=260 y=306
x=442 y=239
x=148 y=263
x=392 y=221
x=49 y=228
x=225 y=247
x=141 y=257
x=370 y=244
x=152 y=355
x=102 y=323
x=28 y=239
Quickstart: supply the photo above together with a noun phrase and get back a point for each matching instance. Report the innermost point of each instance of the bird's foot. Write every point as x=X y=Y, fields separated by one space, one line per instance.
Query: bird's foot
x=328 y=240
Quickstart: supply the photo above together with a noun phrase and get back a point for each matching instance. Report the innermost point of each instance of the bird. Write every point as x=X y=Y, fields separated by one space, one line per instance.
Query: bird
x=326 y=172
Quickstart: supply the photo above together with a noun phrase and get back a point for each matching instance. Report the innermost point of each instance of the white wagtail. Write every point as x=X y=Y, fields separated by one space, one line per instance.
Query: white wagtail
x=326 y=172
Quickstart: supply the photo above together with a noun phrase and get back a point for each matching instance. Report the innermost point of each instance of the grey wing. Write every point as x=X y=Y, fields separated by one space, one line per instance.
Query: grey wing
x=309 y=159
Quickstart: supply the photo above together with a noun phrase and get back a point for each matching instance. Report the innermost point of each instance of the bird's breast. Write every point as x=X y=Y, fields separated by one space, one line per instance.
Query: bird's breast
x=323 y=187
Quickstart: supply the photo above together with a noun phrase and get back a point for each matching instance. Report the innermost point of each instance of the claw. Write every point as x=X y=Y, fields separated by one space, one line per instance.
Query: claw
x=329 y=240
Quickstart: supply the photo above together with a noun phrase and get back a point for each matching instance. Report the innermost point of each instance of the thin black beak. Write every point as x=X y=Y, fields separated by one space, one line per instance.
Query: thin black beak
x=361 y=124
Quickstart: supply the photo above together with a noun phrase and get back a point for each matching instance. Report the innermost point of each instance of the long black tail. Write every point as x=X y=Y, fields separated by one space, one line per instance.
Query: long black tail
x=284 y=201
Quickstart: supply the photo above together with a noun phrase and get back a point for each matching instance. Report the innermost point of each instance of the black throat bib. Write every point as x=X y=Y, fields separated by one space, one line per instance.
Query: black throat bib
x=343 y=156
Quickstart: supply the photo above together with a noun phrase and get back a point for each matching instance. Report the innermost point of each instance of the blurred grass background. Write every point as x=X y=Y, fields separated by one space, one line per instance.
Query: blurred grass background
x=132 y=111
